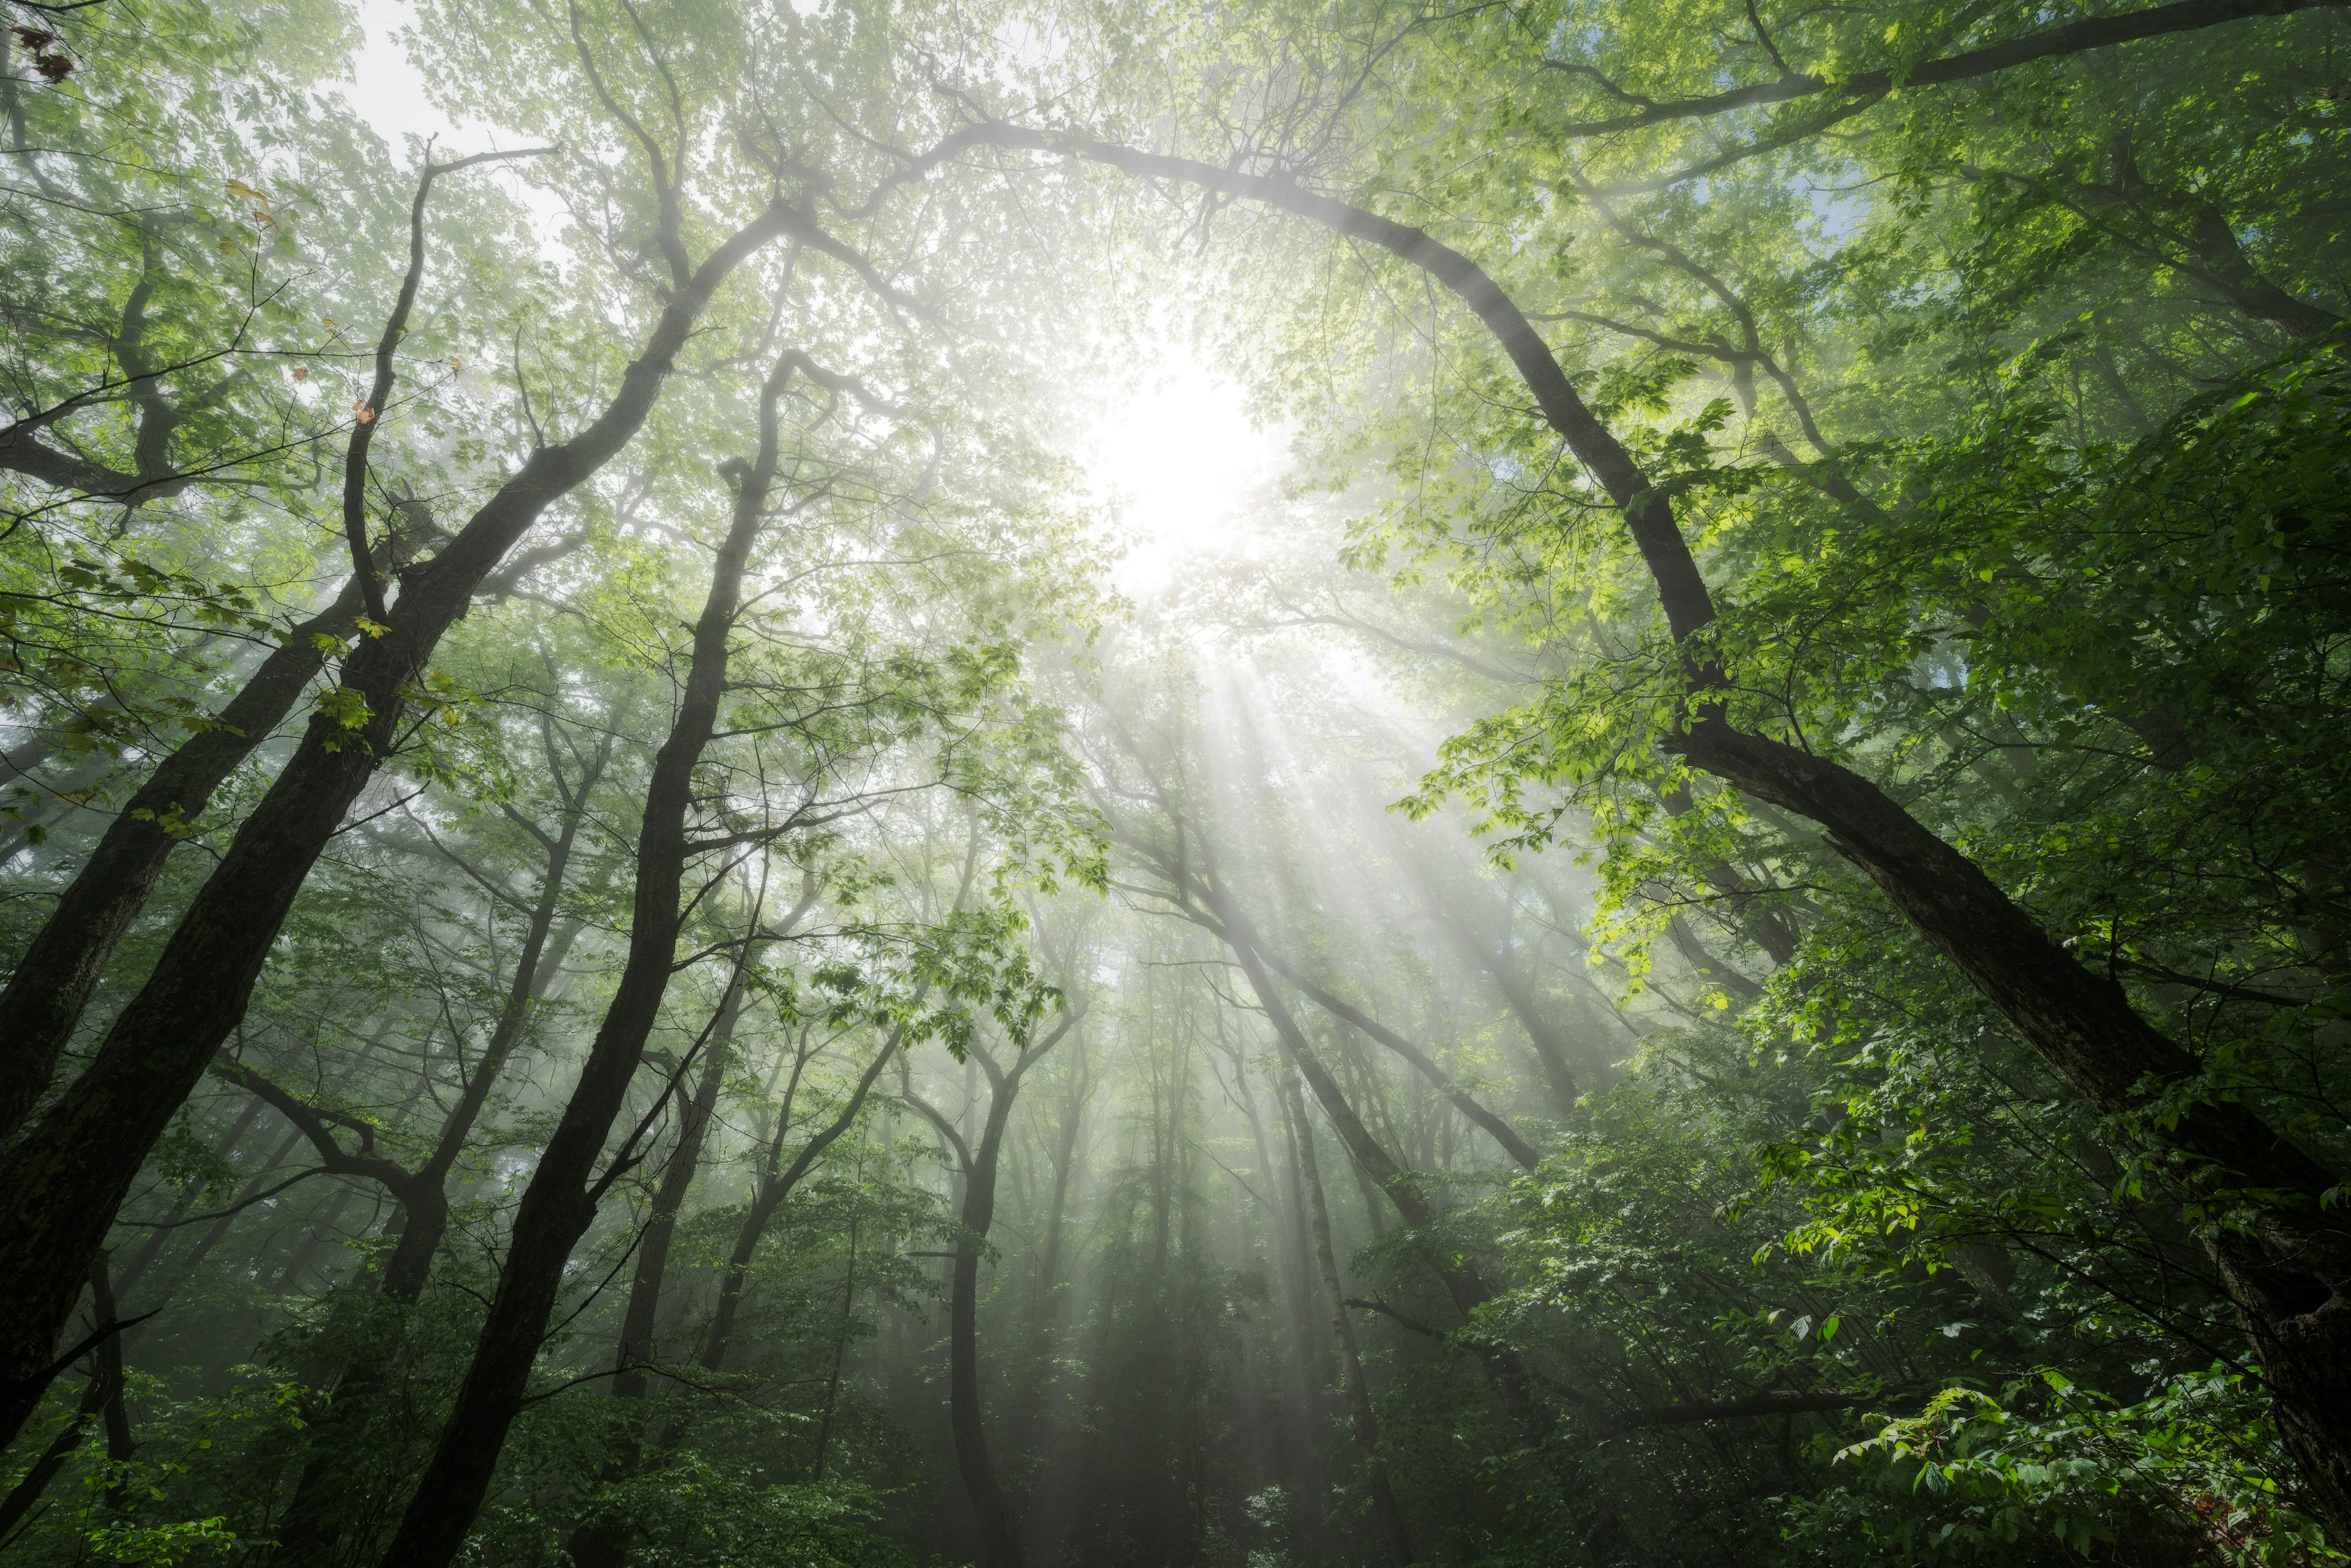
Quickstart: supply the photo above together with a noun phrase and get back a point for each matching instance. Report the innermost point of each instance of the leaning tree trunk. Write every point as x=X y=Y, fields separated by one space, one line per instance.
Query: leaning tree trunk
x=561 y=1199
x=2288 y=1267
x=69 y=1171
x=52 y=983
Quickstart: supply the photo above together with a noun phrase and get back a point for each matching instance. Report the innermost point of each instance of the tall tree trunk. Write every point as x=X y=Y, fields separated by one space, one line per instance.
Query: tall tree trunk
x=115 y=1413
x=218 y=1231
x=52 y=983
x=839 y=1343
x=1065 y=1149
x=1000 y=1543
x=1285 y=1238
x=678 y=1172
x=561 y=1199
x=63 y=1181
x=321 y=1232
x=603 y=1542
x=1362 y=1422
x=1045 y=1315
x=1551 y=1051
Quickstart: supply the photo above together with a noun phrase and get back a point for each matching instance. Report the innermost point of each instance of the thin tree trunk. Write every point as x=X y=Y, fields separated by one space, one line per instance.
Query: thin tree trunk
x=1481 y=949
x=1286 y=1225
x=219 y=1229
x=564 y=1191
x=774 y=1188
x=1362 y=1422
x=669 y=1201
x=1422 y=1062
x=1000 y=1543
x=63 y=1181
x=101 y=1399
x=603 y=1541
x=114 y=1411
x=841 y=1342
x=1000 y=1547
x=322 y=1230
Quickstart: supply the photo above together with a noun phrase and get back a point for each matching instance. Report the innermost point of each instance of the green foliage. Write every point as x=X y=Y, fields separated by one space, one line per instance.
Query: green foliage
x=2194 y=1465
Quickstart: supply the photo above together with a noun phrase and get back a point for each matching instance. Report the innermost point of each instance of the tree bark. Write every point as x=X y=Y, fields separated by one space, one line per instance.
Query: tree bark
x=999 y=1546
x=101 y=1399
x=52 y=983
x=2050 y=43
x=1000 y=1543
x=564 y=1191
x=603 y=1542
x=307 y=1531
x=1549 y=1049
x=63 y=1181
x=637 y=1323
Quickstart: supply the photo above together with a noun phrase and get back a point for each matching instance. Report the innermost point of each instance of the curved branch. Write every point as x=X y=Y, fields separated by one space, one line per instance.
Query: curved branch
x=313 y=1122
x=1649 y=515
x=2051 y=43
x=370 y=414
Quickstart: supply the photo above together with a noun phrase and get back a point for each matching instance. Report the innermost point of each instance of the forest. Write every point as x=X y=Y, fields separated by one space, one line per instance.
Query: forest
x=1175 y=783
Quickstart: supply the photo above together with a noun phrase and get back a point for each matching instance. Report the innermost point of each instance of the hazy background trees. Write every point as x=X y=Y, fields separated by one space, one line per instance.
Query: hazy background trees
x=1277 y=1036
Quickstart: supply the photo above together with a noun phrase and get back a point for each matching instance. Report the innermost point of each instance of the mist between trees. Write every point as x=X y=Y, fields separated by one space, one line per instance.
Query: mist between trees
x=643 y=930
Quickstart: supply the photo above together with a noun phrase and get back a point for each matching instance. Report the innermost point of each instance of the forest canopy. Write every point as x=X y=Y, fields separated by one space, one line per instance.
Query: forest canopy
x=1676 y=889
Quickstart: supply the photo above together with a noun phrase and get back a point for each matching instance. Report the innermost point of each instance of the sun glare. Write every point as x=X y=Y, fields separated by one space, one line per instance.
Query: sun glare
x=1178 y=460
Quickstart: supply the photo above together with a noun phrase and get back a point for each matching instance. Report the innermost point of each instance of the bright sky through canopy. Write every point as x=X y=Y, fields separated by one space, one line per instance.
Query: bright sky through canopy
x=1176 y=453
x=1180 y=457
x=1303 y=786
